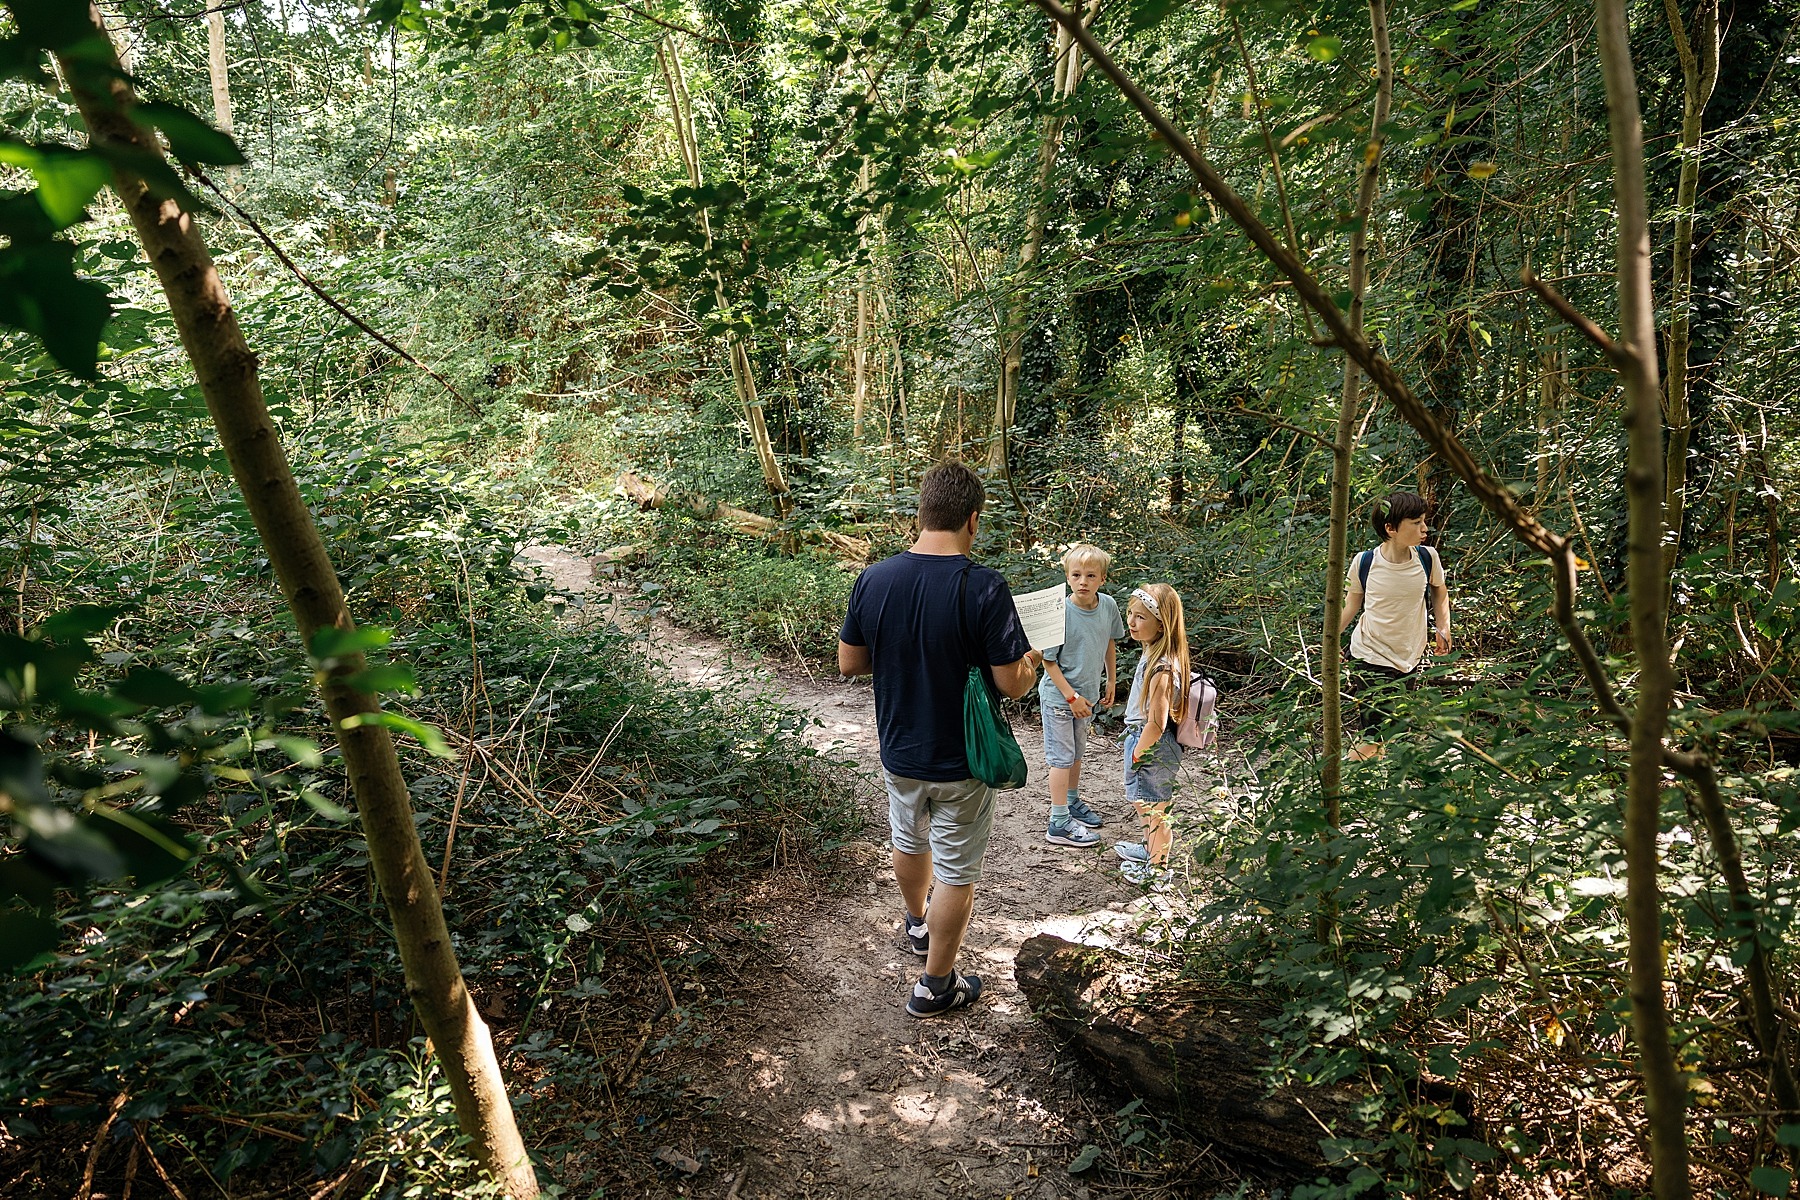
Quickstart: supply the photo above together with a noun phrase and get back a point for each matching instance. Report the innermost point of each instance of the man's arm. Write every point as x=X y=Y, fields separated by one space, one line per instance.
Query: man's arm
x=854 y=660
x=1017 y=678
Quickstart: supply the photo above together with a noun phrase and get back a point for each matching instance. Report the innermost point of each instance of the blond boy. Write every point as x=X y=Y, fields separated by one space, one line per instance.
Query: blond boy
x=1077 y=674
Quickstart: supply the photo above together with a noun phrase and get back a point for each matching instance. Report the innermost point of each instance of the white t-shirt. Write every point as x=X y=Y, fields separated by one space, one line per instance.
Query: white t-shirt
x=1390 y=631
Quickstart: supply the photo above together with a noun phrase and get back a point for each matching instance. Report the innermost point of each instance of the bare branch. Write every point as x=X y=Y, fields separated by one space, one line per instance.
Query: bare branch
x=262 y=235
x=1578 y=320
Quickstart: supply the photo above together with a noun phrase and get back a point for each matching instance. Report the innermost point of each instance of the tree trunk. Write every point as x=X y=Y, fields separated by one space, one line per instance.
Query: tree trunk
x=647 y=495
x=1068 y=67
x=1202 y=1057
x=743 y=379
x=218 y=66
x=1665 y=1099
x=1699 y=75
x=227 y=373
x=1343 y=446
x=859 y=381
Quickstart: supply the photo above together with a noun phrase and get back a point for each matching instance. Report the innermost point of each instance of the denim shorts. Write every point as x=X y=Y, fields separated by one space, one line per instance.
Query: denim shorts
x=1065 y=735
x=949 y=821
x=1153 y=780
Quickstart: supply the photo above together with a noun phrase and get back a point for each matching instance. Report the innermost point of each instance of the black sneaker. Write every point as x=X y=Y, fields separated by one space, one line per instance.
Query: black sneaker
x=917 y=936
x=960 y=992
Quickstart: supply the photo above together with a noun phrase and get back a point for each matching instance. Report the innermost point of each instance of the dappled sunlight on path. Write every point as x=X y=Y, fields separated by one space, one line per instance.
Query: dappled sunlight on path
x=824 y=1085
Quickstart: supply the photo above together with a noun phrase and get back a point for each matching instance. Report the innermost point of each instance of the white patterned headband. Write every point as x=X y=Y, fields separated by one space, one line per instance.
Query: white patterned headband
x=1149 y=602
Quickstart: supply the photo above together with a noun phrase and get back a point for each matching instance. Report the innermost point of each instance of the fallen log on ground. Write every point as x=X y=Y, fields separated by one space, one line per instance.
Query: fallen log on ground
x=1200 y=1057
x=647 y=495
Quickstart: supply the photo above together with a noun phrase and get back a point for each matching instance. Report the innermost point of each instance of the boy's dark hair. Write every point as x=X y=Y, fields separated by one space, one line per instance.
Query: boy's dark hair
x=1400 y=506
x=949 y=495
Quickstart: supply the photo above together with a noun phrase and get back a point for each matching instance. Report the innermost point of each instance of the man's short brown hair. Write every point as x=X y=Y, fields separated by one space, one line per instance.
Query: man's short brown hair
x=949 y=495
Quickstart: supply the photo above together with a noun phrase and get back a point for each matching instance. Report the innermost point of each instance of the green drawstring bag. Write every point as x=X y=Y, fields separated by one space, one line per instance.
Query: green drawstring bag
x=993 y=752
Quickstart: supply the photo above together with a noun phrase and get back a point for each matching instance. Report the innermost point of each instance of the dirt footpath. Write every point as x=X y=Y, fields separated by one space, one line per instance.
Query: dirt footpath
x=825 y=1084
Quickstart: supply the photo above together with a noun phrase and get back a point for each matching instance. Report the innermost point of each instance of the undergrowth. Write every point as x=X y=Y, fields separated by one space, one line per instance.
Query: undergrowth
x=243 y=1023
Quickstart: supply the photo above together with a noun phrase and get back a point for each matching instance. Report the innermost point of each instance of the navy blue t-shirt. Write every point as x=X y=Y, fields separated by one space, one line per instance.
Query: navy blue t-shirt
x=905 y=610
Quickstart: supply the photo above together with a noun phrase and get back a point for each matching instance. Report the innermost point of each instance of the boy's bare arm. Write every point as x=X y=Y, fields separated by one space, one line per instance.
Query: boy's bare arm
x=1440 y=605
x=1075 y=700
x=1352 y=605
x=1111 y=692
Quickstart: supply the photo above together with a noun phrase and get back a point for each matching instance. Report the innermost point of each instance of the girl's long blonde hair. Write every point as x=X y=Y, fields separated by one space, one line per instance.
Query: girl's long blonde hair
x=1172 y=644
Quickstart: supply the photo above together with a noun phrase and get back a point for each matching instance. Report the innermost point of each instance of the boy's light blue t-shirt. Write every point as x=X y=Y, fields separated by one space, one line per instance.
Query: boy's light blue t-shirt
x=1082 y=656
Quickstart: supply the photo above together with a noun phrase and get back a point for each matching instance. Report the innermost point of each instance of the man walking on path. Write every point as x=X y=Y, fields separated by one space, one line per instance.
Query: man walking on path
x=918 y=621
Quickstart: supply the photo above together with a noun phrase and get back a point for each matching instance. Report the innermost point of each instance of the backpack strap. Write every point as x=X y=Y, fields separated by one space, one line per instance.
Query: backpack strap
x=1363 y=563
x=1425 y=562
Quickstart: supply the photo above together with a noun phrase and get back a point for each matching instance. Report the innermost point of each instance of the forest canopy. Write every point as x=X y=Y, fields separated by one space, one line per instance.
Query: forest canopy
x=319 y=323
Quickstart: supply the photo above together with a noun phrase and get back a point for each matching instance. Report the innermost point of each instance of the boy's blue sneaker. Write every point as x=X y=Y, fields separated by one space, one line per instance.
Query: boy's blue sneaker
x=1079 y=811
x=1071 y=833
x=1132 y=852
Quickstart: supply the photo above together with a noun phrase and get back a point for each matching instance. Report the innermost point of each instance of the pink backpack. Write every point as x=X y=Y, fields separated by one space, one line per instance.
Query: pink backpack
x=1199 y=727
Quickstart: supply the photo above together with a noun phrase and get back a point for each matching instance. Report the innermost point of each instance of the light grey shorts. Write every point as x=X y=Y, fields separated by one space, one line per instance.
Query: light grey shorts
x=949 y=821
x=1065 y=735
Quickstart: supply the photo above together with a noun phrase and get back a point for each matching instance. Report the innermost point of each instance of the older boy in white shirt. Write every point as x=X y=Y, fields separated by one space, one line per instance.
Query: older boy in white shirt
x=1391 y=587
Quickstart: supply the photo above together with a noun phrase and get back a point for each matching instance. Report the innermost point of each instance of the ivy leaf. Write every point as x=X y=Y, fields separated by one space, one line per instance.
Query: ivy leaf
x=1771 y=1181
x=1148 y=13
x=191 y=139
x=67 y=179
x=1325 y=47
x=41 y=294
x=154 y=689
x=24 y=936
x=52 y=24
x=1090 y=1154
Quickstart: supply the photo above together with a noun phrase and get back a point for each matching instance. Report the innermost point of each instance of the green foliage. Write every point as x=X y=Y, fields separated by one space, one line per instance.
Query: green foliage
x=748 y=590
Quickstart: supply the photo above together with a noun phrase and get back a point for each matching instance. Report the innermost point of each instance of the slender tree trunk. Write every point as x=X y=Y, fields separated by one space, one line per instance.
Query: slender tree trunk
x=1343 y=446
x=743 y=379
x=1068 y=68
x=859 y=383
x=218 y=66
x=1665 y=1099
x=1699 y=75
x=226 y=369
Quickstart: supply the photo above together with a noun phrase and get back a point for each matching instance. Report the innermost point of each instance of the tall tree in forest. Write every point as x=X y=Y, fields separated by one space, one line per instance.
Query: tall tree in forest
x=1699 y=58
x=218 y=67
x=1068 y=66
x=1665 y=1093
x=743 y=377
x=226 y=369
x=1343 y=444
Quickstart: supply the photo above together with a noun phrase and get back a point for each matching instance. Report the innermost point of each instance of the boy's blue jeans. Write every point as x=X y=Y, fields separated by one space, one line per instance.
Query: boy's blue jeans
x=1151 y=781
x=1065 y=735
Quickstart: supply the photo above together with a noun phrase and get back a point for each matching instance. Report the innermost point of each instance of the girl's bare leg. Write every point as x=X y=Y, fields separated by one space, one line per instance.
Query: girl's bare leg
x=1156 y=832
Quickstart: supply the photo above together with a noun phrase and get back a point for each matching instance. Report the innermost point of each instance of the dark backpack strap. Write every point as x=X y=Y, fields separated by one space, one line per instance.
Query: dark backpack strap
x=1425 y=561
x=962 y=613
x=1363 y=561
